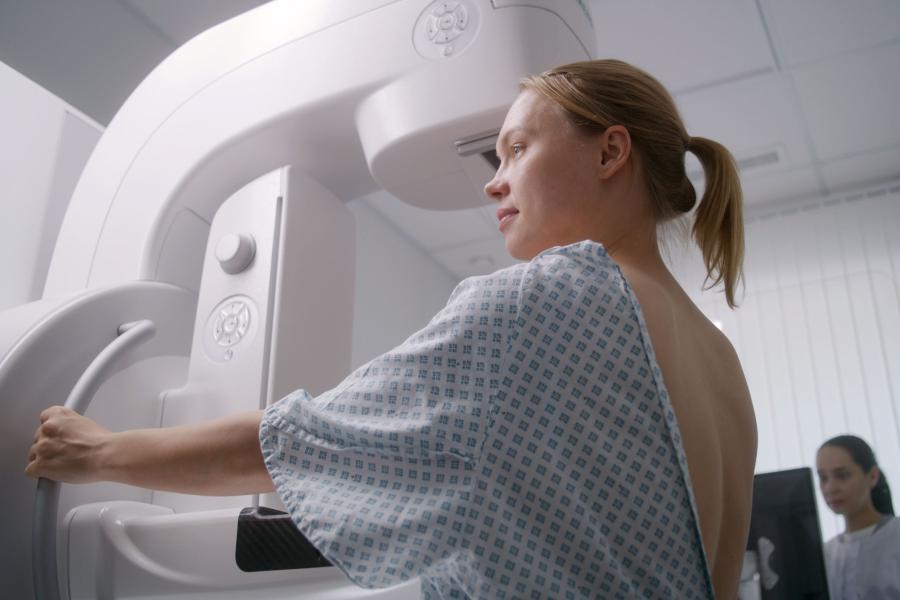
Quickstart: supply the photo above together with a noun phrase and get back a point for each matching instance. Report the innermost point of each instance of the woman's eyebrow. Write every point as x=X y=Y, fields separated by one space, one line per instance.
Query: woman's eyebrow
x=501 y=141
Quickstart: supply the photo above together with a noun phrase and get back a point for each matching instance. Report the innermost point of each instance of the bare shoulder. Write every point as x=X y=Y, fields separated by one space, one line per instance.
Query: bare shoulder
x=690 y=347
x=658 y=307
x=724 y=377
x=733 y=384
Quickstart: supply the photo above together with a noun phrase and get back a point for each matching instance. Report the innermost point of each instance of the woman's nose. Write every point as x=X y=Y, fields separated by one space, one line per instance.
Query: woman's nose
x=496 y=189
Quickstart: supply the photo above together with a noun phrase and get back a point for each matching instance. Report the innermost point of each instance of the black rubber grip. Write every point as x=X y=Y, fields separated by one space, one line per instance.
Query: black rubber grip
x=267 y=540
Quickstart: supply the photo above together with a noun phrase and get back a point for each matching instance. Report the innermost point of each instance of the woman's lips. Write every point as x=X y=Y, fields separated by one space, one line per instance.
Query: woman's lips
x=505 y=221
x=505 y=216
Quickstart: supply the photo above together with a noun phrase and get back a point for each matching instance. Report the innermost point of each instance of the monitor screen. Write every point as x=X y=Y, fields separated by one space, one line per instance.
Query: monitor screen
x=785 y=542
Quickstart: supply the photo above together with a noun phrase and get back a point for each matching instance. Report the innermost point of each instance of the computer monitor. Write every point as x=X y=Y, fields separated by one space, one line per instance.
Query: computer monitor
x=785 y=537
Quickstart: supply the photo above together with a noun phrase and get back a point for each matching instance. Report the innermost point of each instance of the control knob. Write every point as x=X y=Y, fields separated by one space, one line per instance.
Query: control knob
x=235 y=252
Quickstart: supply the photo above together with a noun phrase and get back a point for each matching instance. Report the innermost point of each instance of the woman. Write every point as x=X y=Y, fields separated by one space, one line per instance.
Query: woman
x=864 y=561
x=570 y=427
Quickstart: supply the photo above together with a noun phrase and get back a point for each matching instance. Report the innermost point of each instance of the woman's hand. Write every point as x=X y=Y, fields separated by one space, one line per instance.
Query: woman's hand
x=67 y=447
x=215 y=458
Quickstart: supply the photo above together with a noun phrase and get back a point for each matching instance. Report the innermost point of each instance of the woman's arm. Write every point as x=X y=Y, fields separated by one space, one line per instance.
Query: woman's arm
x=216 y=458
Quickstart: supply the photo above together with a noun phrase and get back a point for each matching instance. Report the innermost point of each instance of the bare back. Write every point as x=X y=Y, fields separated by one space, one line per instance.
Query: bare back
x=712 y=404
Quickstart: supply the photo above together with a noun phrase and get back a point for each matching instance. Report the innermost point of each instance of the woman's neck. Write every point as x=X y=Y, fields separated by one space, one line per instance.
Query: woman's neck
x=638 y=249
x=863 y=518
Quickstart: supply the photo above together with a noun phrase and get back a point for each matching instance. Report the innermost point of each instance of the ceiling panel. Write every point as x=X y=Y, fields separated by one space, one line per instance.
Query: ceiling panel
x=851 y=102
x=686 y=44
x=849 y=172
x=767 y=188
x=751 y=117
x=811 y=30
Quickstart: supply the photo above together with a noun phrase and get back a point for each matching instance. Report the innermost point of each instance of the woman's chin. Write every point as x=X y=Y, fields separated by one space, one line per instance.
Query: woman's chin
x=522 y=250
x=518 y=252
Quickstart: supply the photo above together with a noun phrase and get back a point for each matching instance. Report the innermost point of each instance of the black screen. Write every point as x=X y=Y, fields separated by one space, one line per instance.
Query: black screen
x=784 y=532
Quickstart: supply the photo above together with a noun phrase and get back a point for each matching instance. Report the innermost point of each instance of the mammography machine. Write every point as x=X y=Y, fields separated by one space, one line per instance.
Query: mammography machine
x=211 y=221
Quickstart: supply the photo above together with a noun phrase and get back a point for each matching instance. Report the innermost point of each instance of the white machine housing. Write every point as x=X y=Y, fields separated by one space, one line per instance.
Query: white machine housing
x=287 y=112
x=336 y=89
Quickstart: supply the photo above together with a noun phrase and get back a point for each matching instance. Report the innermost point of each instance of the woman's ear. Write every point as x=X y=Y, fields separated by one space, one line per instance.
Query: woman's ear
x=873 y=475
x=615 y=149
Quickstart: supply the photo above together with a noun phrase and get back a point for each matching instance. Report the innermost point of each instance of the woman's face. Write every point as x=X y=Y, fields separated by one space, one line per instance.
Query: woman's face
x=546 y=185
x=844 y=485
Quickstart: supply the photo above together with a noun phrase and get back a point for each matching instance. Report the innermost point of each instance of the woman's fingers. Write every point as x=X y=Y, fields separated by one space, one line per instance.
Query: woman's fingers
x=48 y=413
x=64 y=446
x=35 y=454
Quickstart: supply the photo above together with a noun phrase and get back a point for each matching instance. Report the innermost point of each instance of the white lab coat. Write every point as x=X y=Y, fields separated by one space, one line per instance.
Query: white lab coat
x=865 y=565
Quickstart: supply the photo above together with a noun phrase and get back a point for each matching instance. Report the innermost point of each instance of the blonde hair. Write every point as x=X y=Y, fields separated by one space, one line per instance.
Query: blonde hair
x=599 y=93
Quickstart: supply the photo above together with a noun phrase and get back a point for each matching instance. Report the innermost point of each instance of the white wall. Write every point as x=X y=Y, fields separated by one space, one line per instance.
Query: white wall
x=398 y=287
x=44 y=144
x=818 y=329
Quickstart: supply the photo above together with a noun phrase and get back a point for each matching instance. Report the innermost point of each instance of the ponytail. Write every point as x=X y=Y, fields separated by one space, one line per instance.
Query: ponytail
x=881 y=496
x=719 y=221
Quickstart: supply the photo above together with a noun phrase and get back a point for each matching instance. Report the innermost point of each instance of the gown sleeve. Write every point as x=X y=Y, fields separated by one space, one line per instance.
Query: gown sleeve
x=375 y=471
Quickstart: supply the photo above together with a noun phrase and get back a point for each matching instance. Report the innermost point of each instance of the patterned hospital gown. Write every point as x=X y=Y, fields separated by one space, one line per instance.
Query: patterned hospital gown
x=521 y=445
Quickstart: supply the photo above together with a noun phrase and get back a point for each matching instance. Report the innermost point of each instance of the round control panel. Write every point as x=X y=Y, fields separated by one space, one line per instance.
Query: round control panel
x=235 y=252
x=445 y=28
x=230 y=325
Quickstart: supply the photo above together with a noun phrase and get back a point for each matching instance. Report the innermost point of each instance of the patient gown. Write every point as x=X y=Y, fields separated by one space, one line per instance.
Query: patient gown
x=521 y=445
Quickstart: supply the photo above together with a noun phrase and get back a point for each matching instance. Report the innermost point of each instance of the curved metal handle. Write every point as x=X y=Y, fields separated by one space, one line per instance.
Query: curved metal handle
x=46 y=499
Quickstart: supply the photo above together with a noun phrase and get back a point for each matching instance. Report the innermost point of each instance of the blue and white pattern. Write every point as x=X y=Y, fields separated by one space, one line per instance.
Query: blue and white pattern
x=521 y=445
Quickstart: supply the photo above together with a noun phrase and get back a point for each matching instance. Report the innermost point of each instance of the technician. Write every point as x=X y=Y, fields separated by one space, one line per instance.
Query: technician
x=864 y=561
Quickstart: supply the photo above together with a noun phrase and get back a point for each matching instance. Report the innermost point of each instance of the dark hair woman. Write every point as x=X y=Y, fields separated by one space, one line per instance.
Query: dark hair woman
x=864 y=561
